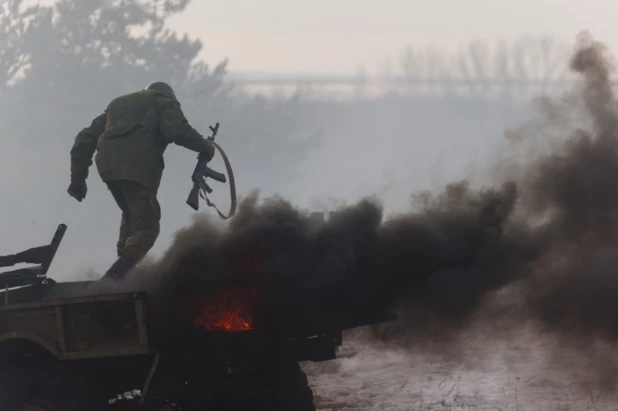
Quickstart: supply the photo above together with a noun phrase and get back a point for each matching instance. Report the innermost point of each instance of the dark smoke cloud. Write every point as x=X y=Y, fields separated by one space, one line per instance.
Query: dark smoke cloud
x=548 y=233
x=576 y=280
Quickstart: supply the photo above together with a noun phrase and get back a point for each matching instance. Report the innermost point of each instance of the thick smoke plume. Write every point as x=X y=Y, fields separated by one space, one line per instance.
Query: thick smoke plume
x=547 y=231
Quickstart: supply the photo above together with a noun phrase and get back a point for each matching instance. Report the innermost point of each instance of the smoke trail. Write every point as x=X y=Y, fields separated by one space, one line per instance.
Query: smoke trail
x=553 y=227
x=577 y=281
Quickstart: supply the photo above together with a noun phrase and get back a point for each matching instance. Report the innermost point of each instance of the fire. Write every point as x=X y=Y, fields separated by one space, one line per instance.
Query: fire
x=226 y=310
x=229 y=308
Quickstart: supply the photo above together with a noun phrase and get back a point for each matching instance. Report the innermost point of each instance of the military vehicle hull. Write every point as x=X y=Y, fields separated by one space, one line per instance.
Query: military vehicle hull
x=68 y=347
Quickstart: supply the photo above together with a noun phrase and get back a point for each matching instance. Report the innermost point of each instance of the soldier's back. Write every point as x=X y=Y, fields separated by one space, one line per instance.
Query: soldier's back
x=129 y=148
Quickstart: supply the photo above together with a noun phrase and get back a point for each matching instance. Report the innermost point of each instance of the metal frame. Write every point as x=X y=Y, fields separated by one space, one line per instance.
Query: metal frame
x=42 y=256
x=59 y=306
x=72 y=300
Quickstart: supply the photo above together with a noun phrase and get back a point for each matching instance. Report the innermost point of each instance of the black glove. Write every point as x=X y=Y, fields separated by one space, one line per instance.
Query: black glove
x=77 y=189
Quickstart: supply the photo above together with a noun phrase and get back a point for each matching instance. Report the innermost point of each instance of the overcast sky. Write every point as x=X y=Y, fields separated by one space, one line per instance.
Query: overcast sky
x=339 y=36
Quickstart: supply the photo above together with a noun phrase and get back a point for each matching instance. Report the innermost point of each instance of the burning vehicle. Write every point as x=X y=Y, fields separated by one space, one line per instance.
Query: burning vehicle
x=69 y=346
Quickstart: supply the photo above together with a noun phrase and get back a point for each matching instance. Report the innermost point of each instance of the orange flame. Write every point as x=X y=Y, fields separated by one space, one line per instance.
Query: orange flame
x=227 y=310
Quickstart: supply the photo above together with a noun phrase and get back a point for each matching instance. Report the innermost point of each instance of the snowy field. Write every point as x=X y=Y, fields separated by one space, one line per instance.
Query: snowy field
x=501 y=373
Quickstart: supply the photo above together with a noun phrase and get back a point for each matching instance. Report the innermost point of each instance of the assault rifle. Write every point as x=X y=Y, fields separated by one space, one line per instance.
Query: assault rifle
x=201 y=172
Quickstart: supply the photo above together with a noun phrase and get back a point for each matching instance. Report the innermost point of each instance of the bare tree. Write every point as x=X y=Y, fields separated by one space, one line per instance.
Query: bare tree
x=16 y=24
x=480 y=69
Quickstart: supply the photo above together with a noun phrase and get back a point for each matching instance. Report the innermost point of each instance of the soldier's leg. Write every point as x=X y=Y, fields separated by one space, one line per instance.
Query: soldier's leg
x=125 y=233
x=145 y=217
x=115 y=188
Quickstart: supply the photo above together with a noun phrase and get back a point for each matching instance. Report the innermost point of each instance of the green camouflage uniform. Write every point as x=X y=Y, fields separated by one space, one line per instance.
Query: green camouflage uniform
x=130 y=138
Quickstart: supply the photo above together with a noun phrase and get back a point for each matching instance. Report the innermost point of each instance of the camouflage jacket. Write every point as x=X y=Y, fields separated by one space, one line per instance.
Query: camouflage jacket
x=130 y=138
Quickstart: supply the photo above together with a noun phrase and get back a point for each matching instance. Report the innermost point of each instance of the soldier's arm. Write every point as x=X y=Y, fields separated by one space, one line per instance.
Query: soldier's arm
x=84 y=147
x=176 y=129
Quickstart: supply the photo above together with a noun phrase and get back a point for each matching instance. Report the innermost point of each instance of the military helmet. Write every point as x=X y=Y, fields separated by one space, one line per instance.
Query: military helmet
x=162 y=88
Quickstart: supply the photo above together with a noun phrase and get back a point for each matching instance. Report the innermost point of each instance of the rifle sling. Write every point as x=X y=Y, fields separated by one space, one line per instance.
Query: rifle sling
x=230 y=174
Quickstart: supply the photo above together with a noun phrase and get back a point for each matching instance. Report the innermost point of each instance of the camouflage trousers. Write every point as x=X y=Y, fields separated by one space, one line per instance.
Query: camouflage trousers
x=141 y=215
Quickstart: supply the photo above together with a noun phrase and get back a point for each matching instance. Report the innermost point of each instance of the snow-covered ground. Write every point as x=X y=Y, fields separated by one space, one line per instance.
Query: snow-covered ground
x=498 y=373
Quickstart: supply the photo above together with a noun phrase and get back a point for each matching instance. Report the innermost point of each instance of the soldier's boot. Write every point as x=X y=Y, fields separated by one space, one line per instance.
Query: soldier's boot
x=120 y=269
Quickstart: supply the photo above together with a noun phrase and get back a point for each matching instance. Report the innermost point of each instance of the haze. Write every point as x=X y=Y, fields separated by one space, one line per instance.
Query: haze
x=390 y=141
x=387 y=99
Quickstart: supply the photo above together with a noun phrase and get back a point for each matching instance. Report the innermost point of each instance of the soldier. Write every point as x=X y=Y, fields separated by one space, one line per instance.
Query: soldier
x=130 y=138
